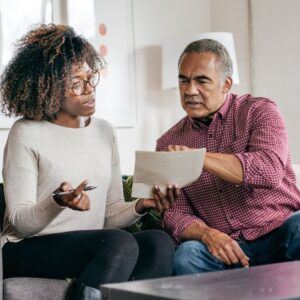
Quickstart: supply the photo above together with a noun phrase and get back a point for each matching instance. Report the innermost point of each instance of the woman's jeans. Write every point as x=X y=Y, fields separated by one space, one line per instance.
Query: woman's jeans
x=93 y=257
x=281 y=244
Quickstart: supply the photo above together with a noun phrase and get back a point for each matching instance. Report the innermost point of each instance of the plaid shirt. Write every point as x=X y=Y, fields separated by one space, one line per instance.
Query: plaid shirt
x=254 y=131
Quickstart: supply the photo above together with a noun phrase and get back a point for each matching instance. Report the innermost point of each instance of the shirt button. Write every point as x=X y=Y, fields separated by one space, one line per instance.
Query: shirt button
x=230 y=217
x=210 y=135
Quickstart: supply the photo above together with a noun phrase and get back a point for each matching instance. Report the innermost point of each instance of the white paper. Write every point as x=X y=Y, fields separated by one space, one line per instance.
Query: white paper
x=164 y=168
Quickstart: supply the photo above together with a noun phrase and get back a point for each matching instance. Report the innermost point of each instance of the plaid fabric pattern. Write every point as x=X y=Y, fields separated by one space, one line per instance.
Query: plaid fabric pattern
x=254 y=131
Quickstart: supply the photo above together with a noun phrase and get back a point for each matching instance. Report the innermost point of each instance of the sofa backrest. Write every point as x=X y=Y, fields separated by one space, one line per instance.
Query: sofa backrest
x=297 y=172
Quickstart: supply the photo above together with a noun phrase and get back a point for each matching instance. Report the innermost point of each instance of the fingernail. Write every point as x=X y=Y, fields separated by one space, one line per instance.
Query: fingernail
x=156 y=187
x=169 y=186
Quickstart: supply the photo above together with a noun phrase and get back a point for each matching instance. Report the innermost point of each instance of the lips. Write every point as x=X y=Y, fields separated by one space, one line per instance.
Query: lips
x=89 y=103
x=193 y=103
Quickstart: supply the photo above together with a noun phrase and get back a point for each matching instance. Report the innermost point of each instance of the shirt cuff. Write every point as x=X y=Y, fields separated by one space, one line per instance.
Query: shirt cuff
x=243 y=160
x=54 y=204
x=182 y=225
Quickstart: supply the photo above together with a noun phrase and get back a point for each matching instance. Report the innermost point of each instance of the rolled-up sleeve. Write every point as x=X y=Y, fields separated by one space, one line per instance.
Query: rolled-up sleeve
x=265 y=160
x=179 y=217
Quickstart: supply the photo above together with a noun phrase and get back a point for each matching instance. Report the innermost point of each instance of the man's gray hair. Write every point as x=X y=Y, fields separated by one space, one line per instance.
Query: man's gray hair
x=212 y=46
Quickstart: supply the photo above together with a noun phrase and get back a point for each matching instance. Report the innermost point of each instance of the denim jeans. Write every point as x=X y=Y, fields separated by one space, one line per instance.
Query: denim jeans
x=281 y=244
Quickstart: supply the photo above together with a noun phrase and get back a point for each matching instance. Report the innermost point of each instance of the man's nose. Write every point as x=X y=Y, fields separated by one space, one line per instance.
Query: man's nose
x=191 y=89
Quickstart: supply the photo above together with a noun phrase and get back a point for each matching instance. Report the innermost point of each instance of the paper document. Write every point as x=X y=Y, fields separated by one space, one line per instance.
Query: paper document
x=163 y=168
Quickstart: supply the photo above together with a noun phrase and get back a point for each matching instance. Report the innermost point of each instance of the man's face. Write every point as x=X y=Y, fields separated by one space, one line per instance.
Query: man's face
x=80 y=104
x=202 y=89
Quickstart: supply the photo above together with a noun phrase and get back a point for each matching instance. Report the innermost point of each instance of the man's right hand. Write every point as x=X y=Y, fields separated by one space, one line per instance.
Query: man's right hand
x=77 y=199
x=223 y=247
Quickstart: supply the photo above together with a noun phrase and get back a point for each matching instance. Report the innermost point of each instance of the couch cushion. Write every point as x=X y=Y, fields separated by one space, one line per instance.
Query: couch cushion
x=20 y=288
x=297 y=172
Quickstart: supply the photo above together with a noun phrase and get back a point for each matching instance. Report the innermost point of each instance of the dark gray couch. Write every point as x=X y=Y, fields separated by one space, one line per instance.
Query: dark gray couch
x=20 y=288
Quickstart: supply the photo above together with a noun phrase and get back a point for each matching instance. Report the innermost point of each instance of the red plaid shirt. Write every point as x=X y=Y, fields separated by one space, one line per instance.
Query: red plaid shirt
x=254 y=131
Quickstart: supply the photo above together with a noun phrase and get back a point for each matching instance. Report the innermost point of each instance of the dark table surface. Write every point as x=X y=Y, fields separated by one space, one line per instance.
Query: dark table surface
x=274 y=281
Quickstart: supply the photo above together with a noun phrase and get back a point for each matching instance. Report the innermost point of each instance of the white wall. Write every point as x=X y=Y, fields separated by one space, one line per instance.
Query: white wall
x=155 y=21
x=276 y=60
x=232 y=16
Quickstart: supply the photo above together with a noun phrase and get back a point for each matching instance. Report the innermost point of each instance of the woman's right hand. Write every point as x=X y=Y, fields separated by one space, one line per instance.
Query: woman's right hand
x=77 y=199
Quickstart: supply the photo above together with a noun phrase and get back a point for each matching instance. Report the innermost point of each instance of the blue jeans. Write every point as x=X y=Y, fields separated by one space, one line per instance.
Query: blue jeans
x=281 y=244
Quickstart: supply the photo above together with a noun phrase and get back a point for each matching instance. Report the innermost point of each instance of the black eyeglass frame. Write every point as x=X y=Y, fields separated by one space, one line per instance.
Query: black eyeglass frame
x=85 y=82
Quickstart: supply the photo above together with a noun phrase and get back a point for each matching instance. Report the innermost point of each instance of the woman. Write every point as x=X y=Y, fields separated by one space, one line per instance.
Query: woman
x=58 y=147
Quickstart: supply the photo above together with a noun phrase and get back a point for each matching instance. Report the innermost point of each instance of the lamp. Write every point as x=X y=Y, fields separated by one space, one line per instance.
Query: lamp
x=172 y=49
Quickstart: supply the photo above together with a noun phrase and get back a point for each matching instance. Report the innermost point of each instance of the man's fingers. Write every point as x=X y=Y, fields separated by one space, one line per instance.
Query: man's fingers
x=178 y=148
x=241 y=255
x=184 y=148
x=171 y=148
x=221 y=254
x=231 y=254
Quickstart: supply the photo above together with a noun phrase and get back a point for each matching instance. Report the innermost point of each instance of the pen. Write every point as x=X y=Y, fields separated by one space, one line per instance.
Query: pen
x=87 y=188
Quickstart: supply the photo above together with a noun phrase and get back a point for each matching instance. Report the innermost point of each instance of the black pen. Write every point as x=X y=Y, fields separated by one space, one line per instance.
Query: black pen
x=87 y=188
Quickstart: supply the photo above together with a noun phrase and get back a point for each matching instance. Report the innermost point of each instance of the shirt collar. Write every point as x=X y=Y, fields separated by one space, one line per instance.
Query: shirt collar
x=224 y=109
x=222 y=112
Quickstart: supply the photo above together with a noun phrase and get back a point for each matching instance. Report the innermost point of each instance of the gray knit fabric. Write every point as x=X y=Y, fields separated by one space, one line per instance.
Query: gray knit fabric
x=39 y=156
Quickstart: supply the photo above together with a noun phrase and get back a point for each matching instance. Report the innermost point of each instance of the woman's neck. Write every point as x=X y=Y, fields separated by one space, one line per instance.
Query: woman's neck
x=71 y=121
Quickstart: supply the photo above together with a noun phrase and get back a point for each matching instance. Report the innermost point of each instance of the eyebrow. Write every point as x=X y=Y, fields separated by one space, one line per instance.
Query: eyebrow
x=79 y=76
x=199 y=77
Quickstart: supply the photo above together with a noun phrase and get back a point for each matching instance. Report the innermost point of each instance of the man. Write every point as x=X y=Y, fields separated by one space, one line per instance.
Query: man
x=242 y=210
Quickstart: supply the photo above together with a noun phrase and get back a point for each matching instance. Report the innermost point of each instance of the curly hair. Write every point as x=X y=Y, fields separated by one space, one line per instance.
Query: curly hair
x=34 y=83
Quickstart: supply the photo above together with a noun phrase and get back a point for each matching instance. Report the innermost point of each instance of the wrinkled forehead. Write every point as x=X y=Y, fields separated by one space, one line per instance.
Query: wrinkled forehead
x=199 y=61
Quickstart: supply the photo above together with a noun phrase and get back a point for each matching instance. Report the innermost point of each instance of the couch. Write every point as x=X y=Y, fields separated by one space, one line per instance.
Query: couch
x=49 y=289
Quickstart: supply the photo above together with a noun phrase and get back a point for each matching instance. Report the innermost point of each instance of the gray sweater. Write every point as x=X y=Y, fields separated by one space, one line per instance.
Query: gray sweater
x=39 y=156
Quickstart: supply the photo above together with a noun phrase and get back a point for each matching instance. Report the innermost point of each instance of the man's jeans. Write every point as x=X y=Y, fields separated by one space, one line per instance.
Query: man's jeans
x=282 y=244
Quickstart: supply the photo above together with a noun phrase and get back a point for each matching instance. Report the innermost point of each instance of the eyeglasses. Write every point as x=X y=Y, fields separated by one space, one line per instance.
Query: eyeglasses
x=79 y=87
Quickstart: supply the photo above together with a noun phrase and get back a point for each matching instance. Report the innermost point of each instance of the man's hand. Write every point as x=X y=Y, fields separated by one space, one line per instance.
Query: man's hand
x=173 y=148
x=223 y=247
x=76 y=200
x=160 y=201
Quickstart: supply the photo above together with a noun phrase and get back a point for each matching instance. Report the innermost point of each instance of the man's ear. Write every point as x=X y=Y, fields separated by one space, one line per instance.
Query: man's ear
x=227 y=85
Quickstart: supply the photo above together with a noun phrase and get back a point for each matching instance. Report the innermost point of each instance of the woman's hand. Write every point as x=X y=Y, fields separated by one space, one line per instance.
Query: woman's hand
x=160 y=201
x=77 y=199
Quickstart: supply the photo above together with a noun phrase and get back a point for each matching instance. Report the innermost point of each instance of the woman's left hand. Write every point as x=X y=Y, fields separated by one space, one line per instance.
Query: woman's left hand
x=160 y=202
